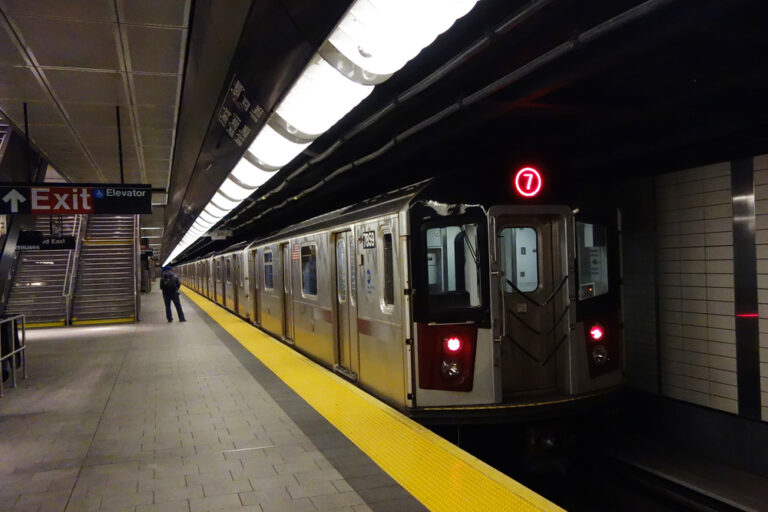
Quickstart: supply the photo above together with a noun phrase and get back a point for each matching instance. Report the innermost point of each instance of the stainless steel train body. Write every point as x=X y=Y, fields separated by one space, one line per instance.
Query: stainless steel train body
x=435 y=307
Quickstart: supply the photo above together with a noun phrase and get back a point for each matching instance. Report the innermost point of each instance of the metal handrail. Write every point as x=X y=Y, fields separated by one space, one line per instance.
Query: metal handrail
x=64 y=290
x=21 y=350
x=69 y=281
x=136 y=267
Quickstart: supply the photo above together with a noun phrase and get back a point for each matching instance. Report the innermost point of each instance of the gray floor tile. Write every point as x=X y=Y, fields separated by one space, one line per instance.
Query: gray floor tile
x=167 y=417
x=236 y=486
x=214 y=503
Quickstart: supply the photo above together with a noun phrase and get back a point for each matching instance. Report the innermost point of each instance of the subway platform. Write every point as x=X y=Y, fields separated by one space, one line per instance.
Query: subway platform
x=199 y=416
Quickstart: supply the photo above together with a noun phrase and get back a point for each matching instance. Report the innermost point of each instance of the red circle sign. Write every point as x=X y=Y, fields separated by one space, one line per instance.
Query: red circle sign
x=528 y=182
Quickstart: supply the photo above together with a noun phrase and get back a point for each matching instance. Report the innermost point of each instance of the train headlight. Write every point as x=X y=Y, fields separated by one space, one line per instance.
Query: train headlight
x=450 y=369
x=596 y=332
x=599 y=355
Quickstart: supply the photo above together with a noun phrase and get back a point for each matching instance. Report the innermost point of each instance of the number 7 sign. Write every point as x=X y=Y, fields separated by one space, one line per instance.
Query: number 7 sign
x=528 y=182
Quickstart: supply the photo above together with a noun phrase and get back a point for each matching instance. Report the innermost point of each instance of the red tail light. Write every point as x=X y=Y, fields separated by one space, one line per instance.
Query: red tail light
x=453 y=344
x=596 y=332
x=446 y=356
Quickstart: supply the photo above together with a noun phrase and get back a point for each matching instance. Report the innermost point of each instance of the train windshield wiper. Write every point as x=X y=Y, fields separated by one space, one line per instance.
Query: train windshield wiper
x=469 y=246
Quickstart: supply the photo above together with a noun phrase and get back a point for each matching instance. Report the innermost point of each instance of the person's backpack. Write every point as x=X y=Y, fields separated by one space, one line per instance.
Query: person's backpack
x=166 y=283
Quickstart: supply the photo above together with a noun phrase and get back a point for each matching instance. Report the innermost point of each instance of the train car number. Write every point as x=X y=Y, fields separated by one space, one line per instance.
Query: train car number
x=369 y=239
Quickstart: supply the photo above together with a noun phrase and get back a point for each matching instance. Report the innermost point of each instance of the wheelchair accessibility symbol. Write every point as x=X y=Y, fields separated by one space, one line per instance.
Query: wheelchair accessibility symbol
x=98 y=193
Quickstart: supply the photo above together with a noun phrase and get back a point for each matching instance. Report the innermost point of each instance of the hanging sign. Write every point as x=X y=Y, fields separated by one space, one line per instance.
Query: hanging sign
x=75 y=198
x=36 y=241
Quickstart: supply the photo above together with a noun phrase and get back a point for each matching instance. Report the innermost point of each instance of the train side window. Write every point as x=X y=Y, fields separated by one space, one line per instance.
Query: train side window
x=309 y=270
x=453 y=266
x=592 y=254
x=228 y=267
x=389 y=270
x=519 y=258
x=269 y=277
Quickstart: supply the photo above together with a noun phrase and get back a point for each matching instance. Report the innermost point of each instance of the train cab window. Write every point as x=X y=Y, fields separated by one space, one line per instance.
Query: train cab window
x=592 y=254
x=269 y=277
x=309 y=270
x=389 y=271
x=453 y=273
x=341 y=271
x=519 y=258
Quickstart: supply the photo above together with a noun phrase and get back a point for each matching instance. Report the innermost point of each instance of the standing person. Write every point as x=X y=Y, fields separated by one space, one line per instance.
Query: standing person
x=170 y=285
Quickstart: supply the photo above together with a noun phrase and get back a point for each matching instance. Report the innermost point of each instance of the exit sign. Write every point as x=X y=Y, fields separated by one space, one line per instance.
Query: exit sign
x=75 y=198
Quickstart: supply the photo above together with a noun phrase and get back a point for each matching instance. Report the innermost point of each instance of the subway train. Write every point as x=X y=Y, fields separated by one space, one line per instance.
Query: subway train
x=448 y=311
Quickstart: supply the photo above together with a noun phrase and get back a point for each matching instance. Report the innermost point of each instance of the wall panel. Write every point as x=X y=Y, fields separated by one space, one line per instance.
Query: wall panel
x=761 y=224
x=695 y=286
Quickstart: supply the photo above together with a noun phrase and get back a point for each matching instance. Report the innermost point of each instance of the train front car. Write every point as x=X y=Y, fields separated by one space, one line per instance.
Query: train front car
x=516 y=311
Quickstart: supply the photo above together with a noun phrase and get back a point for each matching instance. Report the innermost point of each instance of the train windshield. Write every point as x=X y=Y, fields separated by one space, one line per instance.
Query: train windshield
x=453 y=266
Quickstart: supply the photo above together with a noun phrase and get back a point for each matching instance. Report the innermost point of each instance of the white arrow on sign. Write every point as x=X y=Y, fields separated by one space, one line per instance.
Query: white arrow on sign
x=14 y=197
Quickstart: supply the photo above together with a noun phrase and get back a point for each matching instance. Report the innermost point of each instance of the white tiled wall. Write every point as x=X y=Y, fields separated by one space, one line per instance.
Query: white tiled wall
x=761 y=211
x=695 y=275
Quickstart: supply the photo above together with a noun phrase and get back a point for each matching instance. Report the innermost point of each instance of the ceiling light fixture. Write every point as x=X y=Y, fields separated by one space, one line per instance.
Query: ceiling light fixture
x=373 y=40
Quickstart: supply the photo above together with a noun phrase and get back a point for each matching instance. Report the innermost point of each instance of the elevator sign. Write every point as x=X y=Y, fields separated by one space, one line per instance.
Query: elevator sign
x=528 y=182
x=72 y=199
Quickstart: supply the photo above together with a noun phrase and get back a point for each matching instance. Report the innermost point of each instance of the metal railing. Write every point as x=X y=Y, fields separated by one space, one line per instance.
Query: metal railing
x=136 y=267
x=73 y=260
x=20 y=349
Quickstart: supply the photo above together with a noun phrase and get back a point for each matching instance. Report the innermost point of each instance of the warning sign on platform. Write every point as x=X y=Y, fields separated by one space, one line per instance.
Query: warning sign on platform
x=74 y=198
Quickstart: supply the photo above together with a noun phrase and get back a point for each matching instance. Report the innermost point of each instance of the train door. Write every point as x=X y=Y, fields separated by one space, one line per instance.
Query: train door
x=236 y=277
x=210 y=273
x=253 y=258
x=531 y=296
x=346 y=305
x=206 y=277
x=285 y=256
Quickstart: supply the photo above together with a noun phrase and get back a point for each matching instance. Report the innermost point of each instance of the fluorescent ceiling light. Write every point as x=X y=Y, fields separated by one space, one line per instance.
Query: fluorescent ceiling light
x=250 y=175
x=235 y=191
x=223 y=202
x=214 y=211
x=206 y=217
x=380 y=36
x=273 y=149
x=201 y=224
x=320 y=97
x=377 y=36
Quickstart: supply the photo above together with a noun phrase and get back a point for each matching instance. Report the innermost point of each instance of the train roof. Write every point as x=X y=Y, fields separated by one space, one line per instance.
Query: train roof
x=390 y=202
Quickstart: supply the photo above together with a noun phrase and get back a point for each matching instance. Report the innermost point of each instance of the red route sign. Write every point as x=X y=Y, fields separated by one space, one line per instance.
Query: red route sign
x=528 y=182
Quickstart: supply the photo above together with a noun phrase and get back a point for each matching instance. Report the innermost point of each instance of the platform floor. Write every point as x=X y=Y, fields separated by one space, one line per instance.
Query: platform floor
x=164 y=417
x=199 y=416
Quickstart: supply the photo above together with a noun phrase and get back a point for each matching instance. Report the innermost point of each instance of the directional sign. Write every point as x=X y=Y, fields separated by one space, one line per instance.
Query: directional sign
x=75 y=198
x=36 y=241
x=13 y=198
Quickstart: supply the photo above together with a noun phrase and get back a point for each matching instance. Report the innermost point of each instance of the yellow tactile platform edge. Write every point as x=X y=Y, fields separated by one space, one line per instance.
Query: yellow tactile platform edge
x=34 y=325
x=75 y=321
x=438 y=474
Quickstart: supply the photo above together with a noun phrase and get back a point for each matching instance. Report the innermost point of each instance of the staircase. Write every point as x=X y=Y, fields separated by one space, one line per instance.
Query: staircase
x=106 y=276
x=38 y=288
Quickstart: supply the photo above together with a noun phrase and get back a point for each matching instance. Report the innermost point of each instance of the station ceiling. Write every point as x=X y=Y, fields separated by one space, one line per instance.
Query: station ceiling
x=74 y=61
x=589 y=91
